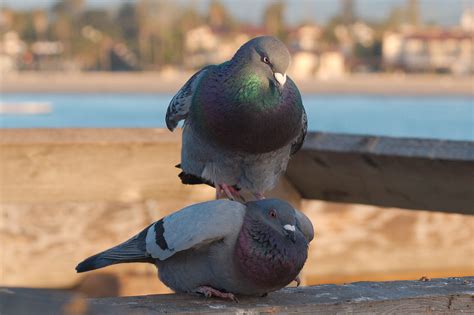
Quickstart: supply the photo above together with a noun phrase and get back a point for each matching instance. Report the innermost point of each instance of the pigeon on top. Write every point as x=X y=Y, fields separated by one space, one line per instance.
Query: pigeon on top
x=243 y=119
x=220 y=248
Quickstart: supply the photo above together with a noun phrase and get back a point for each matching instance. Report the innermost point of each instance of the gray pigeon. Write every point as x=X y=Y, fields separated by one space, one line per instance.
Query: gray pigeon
x=243 y=118
x=220 y=248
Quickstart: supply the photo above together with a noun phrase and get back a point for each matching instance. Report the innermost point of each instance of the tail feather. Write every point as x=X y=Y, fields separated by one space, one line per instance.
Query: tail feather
x=191 y=179
x=133 y=250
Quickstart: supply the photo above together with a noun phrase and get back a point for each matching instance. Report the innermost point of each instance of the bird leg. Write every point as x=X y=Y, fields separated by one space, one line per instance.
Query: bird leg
x=210 y=291
x=259 y=196
x=218 y=191
x=229 y=191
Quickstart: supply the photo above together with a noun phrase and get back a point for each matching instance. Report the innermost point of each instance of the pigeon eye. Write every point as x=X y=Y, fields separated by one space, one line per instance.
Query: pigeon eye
x=266 y=60
x=272 y=213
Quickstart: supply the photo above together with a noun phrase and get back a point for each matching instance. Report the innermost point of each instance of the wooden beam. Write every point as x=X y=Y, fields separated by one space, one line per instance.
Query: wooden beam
x=392 y=172
x=447 y=296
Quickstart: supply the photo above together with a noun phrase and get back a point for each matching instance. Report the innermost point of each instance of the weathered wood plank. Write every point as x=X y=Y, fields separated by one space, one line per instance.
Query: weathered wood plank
x=417 y=174
x=393 y=172
x=446 y=296
x=92 y=188
x=96 y=187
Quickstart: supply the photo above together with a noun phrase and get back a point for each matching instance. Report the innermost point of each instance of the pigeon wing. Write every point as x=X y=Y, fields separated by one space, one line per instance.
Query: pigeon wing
x=298 y=143
x=194 y=226
x=179 y=106
x=133 y=250
x=191 y=227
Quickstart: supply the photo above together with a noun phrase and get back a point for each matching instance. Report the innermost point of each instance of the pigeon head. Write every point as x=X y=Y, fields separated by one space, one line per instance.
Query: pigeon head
x=267 y=56
x=276 y=214
x=271 y=249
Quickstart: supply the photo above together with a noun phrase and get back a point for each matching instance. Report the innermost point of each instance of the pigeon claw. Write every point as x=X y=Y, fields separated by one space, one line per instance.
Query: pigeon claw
x=229 y=191
x=259 y=196
x=298 y=281
x=210 y=292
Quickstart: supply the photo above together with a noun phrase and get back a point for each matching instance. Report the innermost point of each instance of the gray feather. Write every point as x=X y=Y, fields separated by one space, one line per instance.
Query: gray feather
x=208 y=244
x=228 y=138
x=219 y=165
x=133 y=250
x=179 y=106
x=298 y=142
x=195 y=226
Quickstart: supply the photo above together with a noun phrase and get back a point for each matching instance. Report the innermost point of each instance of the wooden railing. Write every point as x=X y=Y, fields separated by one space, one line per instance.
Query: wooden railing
x=121 y=179
x=417 y=174
x=436 y=296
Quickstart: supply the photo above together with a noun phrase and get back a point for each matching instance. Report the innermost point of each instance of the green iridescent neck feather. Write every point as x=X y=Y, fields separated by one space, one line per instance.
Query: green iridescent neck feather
x=256 y=91
x=242 y=110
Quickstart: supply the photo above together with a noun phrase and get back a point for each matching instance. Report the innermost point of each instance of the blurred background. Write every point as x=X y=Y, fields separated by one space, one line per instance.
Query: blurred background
x=399 y=68
x=327 y=38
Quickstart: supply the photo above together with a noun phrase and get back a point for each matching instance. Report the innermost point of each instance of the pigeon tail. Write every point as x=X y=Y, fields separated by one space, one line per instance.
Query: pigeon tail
x=191 y=179
x=133 y=250
x=95 y=262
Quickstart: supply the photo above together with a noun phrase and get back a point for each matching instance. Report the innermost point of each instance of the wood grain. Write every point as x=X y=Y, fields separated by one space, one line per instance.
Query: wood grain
x=421 y=174
x=438 y=296
x=69 y=193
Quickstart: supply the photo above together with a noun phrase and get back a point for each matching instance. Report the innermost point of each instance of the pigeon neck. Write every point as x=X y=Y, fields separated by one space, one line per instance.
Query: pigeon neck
x=240 y=112
x=256 y=89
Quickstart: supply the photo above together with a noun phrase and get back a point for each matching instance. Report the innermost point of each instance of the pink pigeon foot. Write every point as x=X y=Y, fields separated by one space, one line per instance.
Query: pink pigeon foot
x=218 y=192
x=229 y=191
x=210 y=292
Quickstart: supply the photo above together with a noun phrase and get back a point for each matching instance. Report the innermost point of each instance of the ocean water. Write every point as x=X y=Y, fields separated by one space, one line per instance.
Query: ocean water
x=438 y=117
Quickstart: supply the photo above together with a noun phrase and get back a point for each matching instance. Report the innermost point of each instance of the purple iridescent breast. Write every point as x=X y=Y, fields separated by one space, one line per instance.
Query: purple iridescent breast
x=268 y=259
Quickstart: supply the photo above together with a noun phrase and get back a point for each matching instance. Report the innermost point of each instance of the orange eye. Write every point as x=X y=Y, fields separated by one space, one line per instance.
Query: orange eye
x=272 y=213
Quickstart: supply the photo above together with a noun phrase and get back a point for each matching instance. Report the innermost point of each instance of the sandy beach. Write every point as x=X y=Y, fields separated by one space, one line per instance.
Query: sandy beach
x=159 y=82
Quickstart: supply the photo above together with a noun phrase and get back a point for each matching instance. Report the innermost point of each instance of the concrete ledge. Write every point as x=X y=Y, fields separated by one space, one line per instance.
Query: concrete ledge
x=418 y=174
x=446 y=296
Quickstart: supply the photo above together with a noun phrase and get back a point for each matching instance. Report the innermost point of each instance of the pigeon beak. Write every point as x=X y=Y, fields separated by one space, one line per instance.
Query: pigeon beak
x=290 y=232
x=281 y=78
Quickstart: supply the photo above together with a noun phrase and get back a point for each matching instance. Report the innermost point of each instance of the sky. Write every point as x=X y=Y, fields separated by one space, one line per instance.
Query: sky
x=445 y=12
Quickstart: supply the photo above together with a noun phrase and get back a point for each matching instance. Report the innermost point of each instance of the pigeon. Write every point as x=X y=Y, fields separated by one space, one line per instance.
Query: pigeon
x=220 y=248
x=243 y=119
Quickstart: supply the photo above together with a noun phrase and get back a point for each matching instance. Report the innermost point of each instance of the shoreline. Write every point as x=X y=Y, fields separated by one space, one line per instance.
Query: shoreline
x=159 y=82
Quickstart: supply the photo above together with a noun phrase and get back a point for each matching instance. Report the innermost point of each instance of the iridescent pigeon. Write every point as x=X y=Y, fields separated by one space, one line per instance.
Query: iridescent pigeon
x=220 y=248
x=243 y=119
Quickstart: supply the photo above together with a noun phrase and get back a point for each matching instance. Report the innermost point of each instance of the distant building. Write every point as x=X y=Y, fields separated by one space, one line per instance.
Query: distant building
x=11 y=51
x=433 y=50
x=331 y=65
x=467 y=20
x=304 y=64
x=363 y=34
x=305 y=37
x=46 y=55
x=200 y=46
x=312 y=60
x=205 y=45
x=323 y=64
x=47 y=48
